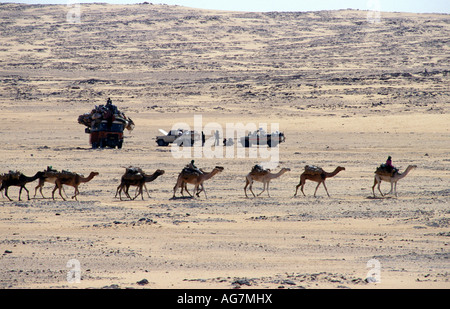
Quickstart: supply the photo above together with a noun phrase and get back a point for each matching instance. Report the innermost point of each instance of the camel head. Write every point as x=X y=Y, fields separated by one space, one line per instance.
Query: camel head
x=340 y=168
x=159 y=172
x=409 y=168
x=218 y=169
x=94 y=174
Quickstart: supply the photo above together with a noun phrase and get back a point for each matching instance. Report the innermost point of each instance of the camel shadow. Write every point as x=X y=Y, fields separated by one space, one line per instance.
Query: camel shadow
x=175 y=198
x=378 y=197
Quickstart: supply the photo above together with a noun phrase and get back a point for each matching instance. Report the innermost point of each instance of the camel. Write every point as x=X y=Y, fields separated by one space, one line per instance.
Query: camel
x=73 y=180
x=392 y=179
x=18 y=180
x=195 y=179
x=264 y=176
x=317 y=177
x=137 y=180
x=49 y=176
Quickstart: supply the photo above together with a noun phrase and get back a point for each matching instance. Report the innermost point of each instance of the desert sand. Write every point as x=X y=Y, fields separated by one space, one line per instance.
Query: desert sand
x=345 y=91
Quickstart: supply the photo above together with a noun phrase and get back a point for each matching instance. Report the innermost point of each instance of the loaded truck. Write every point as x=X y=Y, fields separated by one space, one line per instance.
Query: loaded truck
x=106 y=135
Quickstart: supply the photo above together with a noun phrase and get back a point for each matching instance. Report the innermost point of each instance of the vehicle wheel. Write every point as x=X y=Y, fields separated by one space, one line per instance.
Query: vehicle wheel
x=160 y=142
x=119 y=145
x=102 y=143
x=94 y=145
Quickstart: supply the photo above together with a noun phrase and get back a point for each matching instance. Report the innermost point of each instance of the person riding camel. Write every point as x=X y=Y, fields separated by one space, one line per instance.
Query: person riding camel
x=390 y=168
x=194 y=168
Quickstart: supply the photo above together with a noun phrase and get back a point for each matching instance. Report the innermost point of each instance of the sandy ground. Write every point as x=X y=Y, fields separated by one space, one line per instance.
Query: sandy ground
x=345 y=93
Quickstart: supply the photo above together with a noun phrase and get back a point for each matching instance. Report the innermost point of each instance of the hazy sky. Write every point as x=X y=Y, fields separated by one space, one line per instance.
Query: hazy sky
x=416 y=6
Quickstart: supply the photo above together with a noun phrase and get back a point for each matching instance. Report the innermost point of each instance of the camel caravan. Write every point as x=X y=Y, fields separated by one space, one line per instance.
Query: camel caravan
x=190 y=174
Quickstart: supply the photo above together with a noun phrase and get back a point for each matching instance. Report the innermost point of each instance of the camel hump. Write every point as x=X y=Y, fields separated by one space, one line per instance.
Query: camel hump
x=133 y=170
x=190 y=171
x=313 y=170
x=133 y=173
x=384 y=170
x=257 y=169
x=67 y=173
x=12 y=175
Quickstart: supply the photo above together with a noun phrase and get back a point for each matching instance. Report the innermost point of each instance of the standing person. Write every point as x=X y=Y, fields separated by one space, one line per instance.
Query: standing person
x=217 y=136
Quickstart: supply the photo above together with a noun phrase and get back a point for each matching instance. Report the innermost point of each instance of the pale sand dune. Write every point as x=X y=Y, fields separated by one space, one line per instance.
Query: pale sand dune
x=345 y=93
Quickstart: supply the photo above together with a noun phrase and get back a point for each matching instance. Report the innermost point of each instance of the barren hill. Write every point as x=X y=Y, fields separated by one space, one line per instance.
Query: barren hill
x=179 y=59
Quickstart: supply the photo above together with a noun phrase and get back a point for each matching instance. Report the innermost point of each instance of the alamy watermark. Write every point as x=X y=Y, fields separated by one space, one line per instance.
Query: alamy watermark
x=74 y=12
x=374 y=274
x=74 y=274
x=235 y=140
x=374 y=13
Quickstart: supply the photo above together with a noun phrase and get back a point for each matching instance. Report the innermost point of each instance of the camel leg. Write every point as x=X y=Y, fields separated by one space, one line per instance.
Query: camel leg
x=199 y=190
x=326 y=188
x=119 y=188
x=20 y=192
x=147 y=190
x=57 y=186
x=40 y=190
x=6 y=194
x=76 y=192
x=264 y=189
x=250 y=188
x=124 y=188
x=196 y=189
x=179 y=184
x=246 y=185
x=296 y=188
x=302 y=183
x=119 y=191
x=175 y=190
x=379 y=189
x=40 y=185
x=127 y=191
x=373 y=187
x=139 y=192
x=392 y=186
x=53 y=192
x=203 y=189
x=316 y=189
x=268 y=189
x=185 y=188
x=28 y=192
x=375 y=183
x=395 y=189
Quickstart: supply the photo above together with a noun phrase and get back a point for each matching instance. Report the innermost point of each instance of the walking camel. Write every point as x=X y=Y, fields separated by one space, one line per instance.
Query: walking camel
x=389 y=178
x=73 y=180
x=137 y=180
x=318 y=175
x=49 y=176
x=195 y=178
x=264 y=176
x=18 y=180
